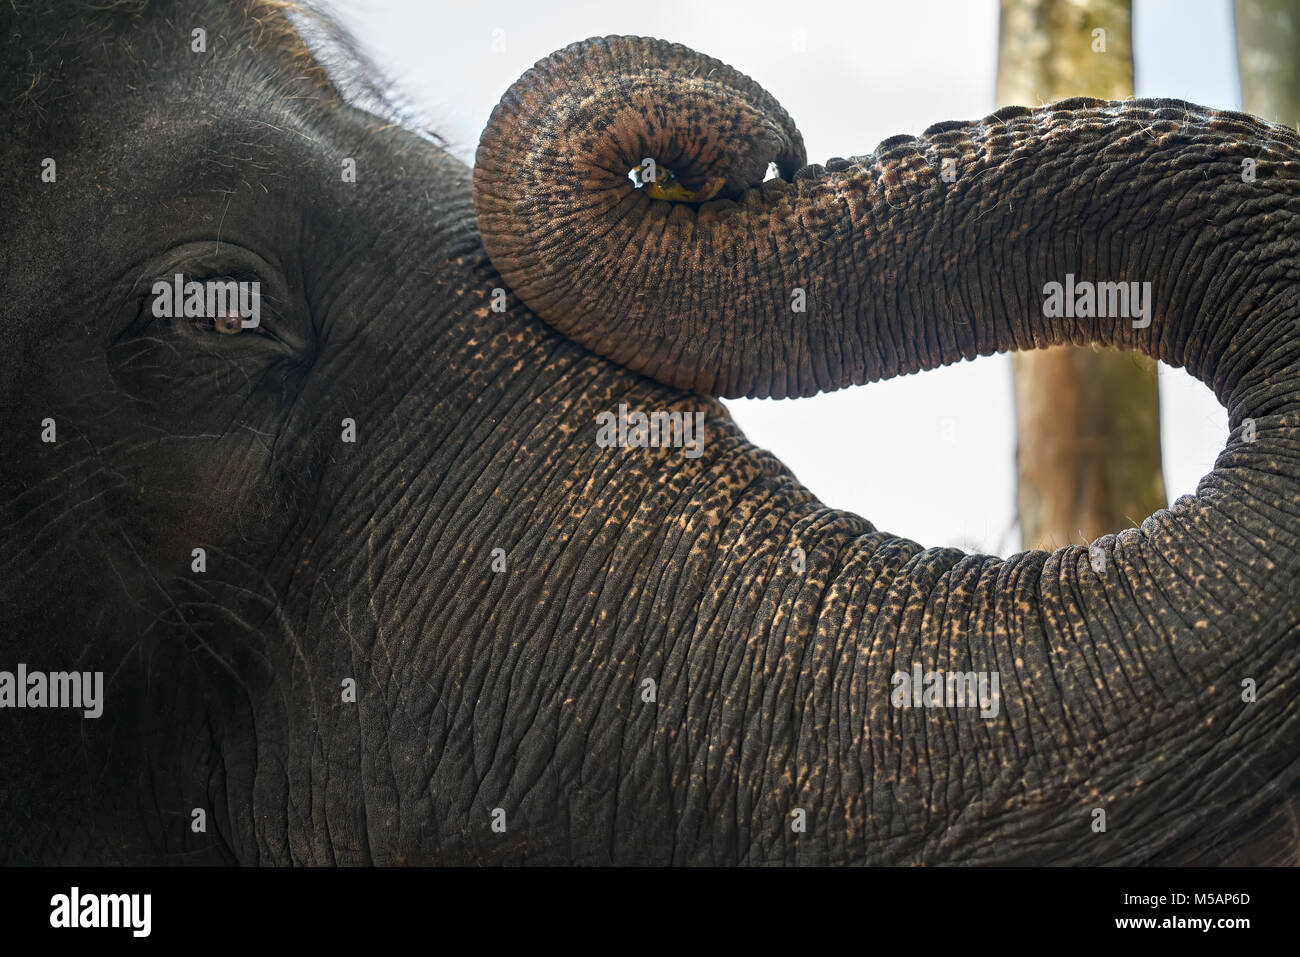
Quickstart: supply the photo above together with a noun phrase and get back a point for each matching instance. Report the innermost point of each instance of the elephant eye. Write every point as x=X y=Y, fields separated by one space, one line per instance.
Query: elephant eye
x=225 y=304
x=228 y=322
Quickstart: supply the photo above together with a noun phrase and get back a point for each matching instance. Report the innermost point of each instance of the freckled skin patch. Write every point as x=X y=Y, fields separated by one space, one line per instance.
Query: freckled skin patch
x=522 y=689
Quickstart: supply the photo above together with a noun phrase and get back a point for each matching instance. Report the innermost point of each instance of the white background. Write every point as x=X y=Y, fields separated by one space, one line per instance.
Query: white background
x=867 y=70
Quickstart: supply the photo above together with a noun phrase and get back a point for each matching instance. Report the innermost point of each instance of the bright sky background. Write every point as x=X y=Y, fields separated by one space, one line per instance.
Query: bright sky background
x=868 y=69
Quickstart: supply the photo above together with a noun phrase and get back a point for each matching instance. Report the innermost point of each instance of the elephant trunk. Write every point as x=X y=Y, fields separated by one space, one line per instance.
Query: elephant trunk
x=934 y=249
x=1152 y=225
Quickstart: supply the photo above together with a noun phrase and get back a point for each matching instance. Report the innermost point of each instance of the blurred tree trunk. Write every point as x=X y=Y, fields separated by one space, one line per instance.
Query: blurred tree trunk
x=1087 y=419
x=1268 y=59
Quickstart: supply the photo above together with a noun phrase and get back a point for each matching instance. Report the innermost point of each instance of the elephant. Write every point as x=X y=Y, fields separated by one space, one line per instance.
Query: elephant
x=449 y=552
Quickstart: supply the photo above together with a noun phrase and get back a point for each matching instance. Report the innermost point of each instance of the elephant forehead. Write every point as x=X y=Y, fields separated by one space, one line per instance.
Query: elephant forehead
x=266 y=52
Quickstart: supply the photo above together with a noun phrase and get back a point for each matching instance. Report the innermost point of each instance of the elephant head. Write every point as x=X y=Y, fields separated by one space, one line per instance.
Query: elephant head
x=366 y=585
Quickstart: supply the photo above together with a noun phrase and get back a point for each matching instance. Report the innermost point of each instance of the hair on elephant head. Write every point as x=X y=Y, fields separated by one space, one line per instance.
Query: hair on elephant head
x=446 y=552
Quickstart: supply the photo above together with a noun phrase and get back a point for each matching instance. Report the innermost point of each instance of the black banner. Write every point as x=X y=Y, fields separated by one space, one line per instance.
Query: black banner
x=934 y=908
